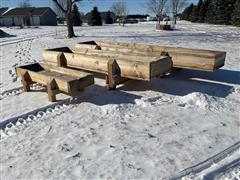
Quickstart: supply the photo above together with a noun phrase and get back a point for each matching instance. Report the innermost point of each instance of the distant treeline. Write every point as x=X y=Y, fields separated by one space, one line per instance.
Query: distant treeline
x=136 y=16
x=214 y=12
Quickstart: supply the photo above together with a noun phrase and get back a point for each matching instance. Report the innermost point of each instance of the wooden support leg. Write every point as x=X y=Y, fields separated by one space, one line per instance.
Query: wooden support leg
x=26 y=81
x=52 y=90
x=165 y=53
x=61 y=60
x=113 y=72
x=114 y=75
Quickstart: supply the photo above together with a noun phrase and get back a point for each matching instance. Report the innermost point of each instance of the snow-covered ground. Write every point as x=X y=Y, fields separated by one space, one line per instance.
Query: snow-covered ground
x=186 y=125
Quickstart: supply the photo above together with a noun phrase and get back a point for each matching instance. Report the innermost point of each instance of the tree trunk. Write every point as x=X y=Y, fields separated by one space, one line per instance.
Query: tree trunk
x=159 y=20
x=70 y=25
x=175 y=18
x=123 y=21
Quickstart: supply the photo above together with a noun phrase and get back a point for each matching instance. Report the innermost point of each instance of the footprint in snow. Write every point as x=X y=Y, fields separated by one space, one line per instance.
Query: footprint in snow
x=14 y=79
x=14 y=65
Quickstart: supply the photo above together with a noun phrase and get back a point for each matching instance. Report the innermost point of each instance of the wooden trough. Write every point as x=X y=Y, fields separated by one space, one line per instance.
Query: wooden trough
x=57 y=79
x=118 y=67
x=198 y=59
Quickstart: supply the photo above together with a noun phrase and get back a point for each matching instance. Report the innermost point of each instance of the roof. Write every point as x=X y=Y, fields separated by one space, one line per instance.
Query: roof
x=27 y=11
x=3 y=10
x=40 y=10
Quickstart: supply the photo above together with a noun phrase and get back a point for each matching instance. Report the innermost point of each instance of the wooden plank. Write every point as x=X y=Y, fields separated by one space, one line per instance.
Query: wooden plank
x=157 y=48
x=133 y=69
x=207 y=60
x=116 y=55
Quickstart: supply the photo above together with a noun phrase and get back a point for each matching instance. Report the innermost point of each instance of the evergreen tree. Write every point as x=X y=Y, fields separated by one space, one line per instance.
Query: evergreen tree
x=76 y=19
x=195 y=13
x=94 y=18
x=187 y=12
x=211 y=16
x=214 y=12
x=199 y=6
x=224 y=11
x=203 y=10
x=236 y=14
x=109 y=19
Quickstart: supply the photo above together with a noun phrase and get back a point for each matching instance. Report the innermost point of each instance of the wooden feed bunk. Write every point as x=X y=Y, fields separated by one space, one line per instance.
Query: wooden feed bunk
x=123 y=61
x=119 y=67
x=57 y=79
x=197 y=59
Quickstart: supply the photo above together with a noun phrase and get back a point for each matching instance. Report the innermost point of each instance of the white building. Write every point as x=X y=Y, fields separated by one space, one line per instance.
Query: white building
x=29 y=16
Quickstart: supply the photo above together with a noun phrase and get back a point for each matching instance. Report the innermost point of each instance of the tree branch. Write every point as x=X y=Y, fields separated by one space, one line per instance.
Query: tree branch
x=75 y=1
x=59 y=5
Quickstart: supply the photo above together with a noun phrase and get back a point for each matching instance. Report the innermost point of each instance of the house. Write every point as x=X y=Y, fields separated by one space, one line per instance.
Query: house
x=2 y=11
x=29 y=16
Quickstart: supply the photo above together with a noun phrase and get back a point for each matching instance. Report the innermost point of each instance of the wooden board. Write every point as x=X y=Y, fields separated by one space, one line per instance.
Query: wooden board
x=55 y=78
x=182 y=57
x=115 y=55
x=138 y=68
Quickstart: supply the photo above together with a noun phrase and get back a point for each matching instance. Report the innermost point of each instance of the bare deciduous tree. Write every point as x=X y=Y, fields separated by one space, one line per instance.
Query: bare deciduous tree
x=121 y=10
x=157 y=7
x=177 y=6
x=25 y=3
x=66 y=8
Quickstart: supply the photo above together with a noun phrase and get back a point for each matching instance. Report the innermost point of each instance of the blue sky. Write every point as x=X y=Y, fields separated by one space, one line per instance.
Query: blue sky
x=134 y=6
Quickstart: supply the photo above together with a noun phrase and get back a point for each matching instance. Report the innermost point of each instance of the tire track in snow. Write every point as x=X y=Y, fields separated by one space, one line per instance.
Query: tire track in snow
x=29 y=38
x=17 y=40
x=19 y=90
x=13 y=125
x=208 y=163
x=12 y=92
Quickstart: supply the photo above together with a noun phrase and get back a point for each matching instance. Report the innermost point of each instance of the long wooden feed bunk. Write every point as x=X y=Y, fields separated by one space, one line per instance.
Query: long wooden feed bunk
x=198 y=59
x=118 y=67
x=123 y=61
x=57 y=79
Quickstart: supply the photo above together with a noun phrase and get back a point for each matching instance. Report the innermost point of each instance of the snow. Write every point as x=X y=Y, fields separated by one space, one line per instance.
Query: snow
x=142 y=130
x=200 y=101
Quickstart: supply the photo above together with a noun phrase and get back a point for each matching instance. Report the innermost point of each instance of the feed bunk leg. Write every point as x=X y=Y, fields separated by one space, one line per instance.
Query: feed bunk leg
x=26 y=81
x=174 y=69
x=114 y=75
x=52 y=90
x=164 y=53
x=61 y=60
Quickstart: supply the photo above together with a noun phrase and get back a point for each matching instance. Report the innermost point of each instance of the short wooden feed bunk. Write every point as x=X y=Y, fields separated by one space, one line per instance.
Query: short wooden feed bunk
x=57 y=79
